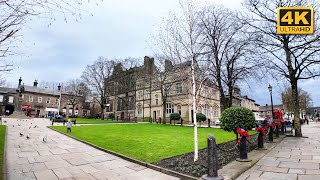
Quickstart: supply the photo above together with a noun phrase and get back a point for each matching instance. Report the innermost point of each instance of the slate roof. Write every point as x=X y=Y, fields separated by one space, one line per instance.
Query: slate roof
x=41 y=90
x=5 y=90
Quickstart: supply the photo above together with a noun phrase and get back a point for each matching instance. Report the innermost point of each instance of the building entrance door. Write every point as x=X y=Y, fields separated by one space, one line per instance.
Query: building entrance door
x=154 y=115
x=9 y=109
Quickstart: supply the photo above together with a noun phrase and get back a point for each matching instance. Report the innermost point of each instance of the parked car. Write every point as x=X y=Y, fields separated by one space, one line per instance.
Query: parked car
x=218 y=122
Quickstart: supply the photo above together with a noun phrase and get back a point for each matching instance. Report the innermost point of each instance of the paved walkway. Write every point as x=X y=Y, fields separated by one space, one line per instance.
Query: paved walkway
x=292 y=159
x=62 y=157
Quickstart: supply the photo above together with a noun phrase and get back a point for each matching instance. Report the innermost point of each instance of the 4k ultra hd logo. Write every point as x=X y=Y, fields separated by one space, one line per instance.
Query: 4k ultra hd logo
x=295 y=20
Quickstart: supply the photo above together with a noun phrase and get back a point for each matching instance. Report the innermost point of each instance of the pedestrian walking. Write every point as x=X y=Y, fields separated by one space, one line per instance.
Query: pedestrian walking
x=69 y=125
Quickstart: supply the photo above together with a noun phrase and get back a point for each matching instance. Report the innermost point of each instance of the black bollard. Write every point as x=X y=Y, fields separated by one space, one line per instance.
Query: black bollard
x=270 y=134
x=208 y=122
x=277 y=130
x=260 y=141
x=243 y=150
x=212 y=160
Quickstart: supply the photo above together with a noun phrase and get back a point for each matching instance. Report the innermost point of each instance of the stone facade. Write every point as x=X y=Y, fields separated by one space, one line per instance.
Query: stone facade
x=249 y=103
x=144 y=100
x=266 y=110
x=38 y=102
x=8 y=100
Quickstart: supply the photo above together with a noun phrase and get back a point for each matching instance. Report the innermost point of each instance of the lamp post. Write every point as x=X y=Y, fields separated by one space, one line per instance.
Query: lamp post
x=59 y=89
x=271 y=130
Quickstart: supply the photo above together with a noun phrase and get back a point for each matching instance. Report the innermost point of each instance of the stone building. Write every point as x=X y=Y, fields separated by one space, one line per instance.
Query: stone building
x=8 y=100
x=243 y=101
x=249 y=103
x=38 y=102
x=144 y=99
x=267 y=109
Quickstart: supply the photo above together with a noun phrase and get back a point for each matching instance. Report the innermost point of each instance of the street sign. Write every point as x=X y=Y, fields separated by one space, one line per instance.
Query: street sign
x=295 y=20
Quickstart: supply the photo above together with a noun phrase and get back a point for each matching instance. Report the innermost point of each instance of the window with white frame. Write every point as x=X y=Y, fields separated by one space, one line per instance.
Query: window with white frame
x=215 y=111
x=30 y=98
x=39 y=99
x=169 y=108
x=139 y=109
x=48 y=100
x=10 y=99
x=57 y=101
x=147 y=94
x=156 y=99
x=206 y=110
x=1 y=98
x=140 y=95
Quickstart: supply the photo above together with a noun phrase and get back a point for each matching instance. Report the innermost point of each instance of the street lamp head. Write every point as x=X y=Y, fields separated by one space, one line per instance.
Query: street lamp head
x=270 y=88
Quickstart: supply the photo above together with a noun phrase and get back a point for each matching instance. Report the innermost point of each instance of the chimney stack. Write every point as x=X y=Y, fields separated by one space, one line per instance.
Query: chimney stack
x=35 y=83
x=20 y=81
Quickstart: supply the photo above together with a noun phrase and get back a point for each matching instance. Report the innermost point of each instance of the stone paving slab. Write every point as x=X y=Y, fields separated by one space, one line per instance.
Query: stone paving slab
x=62 y=157
x=293 y=158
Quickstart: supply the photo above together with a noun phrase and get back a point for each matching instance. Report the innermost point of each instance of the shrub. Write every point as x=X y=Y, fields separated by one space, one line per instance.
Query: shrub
x=175 y=116
x=201 y=117
x=111 y=116
x=237 y=117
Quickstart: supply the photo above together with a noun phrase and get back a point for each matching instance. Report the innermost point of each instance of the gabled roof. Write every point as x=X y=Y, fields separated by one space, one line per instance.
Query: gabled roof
x=5 y=90
x=41 y=90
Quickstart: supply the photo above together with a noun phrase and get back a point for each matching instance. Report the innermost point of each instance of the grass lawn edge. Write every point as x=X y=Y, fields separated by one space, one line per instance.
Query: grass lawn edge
x=148 y=165
x=4 y=169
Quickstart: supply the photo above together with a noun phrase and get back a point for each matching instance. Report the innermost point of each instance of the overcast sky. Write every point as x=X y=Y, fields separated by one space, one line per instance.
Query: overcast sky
x=121 y=28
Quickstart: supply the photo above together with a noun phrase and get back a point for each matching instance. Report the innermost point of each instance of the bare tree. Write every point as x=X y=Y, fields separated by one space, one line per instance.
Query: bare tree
x=227 y=50
x=74 y=93
x=15 y=14
x=94 y=77
x=122 y=84
x=292 y=57
x=305 y=100
x=167 y=77
x=48 y=84
x=180 y=41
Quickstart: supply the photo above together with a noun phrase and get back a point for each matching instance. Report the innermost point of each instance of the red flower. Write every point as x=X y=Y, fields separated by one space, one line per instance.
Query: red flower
x=261 y=129
x=242 y=132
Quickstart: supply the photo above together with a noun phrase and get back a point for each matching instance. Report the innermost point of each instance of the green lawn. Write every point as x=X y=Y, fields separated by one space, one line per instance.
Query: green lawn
x=147 y=142
x=93 y=121
x=2 y=140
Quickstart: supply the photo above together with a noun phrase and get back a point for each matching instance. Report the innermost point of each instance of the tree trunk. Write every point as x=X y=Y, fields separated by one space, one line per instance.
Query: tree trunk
x=230 y=90
x=164 y=103
x=297 y=125
x=102 y=111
